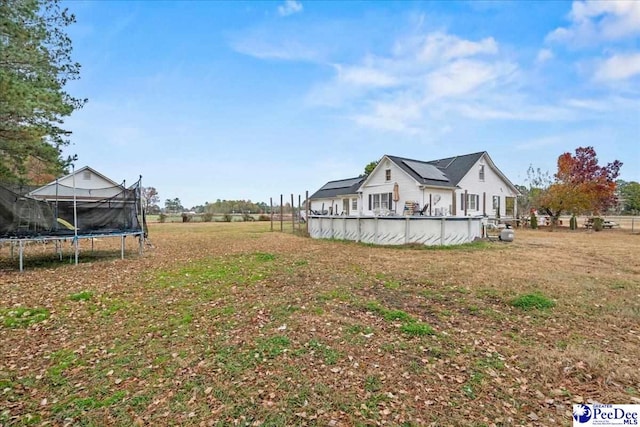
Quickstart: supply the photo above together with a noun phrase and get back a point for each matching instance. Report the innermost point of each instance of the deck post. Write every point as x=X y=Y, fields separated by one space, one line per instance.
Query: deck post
x=20 y=254
x=406 y=230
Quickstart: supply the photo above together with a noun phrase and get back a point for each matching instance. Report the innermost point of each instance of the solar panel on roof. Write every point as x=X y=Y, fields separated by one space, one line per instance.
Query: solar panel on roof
x=340 y=184
x=426 y=171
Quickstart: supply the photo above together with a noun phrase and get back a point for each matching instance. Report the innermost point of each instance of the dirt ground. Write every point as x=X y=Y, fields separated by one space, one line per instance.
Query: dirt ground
x=231 y=324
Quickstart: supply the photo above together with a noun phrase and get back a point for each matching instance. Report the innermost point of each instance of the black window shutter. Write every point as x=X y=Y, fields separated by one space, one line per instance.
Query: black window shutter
x=369 y=201
x=390 y=201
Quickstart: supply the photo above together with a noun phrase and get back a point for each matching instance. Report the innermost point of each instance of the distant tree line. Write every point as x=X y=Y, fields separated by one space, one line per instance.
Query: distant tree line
x=234 y=206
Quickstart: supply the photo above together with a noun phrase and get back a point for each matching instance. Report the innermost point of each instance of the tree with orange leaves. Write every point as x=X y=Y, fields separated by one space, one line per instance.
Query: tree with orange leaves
x=581 y=185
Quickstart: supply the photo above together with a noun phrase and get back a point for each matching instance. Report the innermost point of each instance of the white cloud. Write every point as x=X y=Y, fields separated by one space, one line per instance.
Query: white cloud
x=463 y=77
x=398 y=116
x=365 y=76
x=544 y=55
x=517 y=111
x=395 y=92
x=446 y=47
x=290 y=7
x=618 y=67
x=596 y=21
x=287 y=50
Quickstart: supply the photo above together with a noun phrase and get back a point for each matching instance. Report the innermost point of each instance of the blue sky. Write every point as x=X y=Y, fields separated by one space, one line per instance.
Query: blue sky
x=250 y=100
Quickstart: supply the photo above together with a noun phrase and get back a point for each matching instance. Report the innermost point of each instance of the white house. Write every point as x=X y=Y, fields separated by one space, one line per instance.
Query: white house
x=337 y=197
x=87 y=183
x=459 y=186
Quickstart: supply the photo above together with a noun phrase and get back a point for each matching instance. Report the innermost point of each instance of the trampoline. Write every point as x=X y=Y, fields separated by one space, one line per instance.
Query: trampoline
x=69 y=213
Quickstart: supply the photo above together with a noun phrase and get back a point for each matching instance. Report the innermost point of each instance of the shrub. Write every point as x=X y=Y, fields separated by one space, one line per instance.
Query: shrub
x=207 y=217
x=162 y=217
x=573 y=223
x=264 y=217
x=227 y=217
x=247 y=217
x=534 y=221
x=598 y=224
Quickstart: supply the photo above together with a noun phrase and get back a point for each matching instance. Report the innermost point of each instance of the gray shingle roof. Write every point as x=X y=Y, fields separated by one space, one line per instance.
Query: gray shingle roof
x=337 y=188
x=453 y=169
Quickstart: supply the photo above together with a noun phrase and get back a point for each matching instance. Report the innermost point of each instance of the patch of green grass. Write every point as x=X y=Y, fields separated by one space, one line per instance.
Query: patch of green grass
x=81 y=296
x=389 y=315
x=227 y=310
x=372 y=383
x=392 y=284
x=264 y=257
x=61 y=361
x=493 y=361
x=111 y=307
x=417 y=329
x=359 y=329
x=336 y=294
x=329 y=355
x=272 y=347
x=282 y=312
x=472 y=384
x=22 y=317
x=232 y=359
x=410 y=325
x=620 y=284
x=531 y=301
x=433 y=295
x=400 y=315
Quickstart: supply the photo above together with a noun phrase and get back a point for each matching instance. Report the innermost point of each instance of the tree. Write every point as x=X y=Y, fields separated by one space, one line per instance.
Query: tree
x=369 y=168
x=35 y=65
x=630 y=195
x=149 y=197
x=580 y=185
x=537 y=181
x=173 y=206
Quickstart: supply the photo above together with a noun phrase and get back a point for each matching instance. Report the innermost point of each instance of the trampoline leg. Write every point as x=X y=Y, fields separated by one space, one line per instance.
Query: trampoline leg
x=141 y=246
x=122 y=247
x=75 y=245
x=21 y=253
x=92 y=245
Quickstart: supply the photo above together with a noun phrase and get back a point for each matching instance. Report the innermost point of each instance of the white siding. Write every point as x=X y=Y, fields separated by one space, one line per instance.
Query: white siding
x=409 y=189
x=493 y=185
x=377 y=183
x=334 y=205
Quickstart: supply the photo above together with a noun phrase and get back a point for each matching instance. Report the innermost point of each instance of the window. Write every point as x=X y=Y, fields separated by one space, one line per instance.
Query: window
x=387 y=174
x=380 y=201
x=510 y=206
x=354 y=204
x=472 y=203
x=345 y=206
x=481 y=173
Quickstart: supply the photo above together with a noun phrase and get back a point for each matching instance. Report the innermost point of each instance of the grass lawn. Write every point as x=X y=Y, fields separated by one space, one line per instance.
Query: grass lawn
x=231 y=324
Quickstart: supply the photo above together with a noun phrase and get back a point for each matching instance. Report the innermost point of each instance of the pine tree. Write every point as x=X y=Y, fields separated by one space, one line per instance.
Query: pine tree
x=35 y=65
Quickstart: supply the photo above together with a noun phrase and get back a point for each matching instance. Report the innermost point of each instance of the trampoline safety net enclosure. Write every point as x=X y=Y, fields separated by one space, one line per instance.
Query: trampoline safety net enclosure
x=69 y=212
